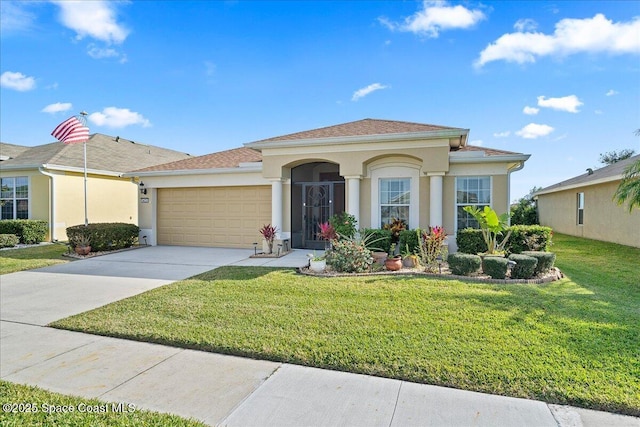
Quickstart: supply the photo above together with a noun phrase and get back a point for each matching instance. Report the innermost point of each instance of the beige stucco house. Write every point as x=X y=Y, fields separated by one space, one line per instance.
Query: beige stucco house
x=46 y=182
x=372 y=169
x=584 y=206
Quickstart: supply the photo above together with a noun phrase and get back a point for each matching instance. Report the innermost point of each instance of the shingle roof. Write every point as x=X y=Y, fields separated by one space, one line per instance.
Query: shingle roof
x=363 y=127
x=223 y=159
x=610 y=172
x=9 y=151
x=487 y=151
x=103 y=153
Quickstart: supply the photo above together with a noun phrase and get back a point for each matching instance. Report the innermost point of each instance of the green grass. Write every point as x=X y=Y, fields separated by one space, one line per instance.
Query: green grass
x=34 y=399
x=13 y=260
x=575 y=341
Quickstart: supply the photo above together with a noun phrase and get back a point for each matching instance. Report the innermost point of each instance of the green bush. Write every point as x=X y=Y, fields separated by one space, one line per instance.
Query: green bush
x=410 y=238
x=545 y=260
x=529 y=238
x=349 y=256
x=105 y=236
x=470 y=241
x=525 y=266
x=495 y=266
x=29 y=231
x=379 y=240
x=344 y=224
x=462 y=264
x=8 y=240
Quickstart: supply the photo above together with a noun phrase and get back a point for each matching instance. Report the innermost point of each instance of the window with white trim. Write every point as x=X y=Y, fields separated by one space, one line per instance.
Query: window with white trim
x=395 y=199
x=580 y=208
x=471 y=191
x=14 y=197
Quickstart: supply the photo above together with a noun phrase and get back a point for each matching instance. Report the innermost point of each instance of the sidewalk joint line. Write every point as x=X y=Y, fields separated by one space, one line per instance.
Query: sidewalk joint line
x=395 y=407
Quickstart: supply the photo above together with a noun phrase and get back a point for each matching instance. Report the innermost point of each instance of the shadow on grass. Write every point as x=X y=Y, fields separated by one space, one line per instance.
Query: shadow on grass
x=238 y=273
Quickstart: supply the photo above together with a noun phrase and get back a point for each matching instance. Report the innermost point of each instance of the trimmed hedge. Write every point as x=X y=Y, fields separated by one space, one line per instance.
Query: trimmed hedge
x=523 y=238
x=409 y=237
x=495 y=266
x=525 y=266
x=462 y=264
x=29 y=231
x=545 y=260
x=8 y=240
x=380 y=241
x=105 y=236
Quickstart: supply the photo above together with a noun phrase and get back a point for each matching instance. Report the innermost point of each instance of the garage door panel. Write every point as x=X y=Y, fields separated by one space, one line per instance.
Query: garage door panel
x=212 y=216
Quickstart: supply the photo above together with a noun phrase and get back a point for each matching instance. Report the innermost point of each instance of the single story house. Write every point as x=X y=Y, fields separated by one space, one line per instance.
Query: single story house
x=375 y=170
x=584 y=206
x=46 y=182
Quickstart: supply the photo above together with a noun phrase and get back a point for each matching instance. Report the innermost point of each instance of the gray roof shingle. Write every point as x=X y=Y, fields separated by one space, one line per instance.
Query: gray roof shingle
x=9 y=151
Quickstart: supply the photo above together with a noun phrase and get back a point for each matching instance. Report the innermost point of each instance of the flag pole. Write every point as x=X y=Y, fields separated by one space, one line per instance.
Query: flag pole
x=83 y=115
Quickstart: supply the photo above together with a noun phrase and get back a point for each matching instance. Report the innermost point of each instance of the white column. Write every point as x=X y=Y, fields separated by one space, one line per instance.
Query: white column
x=276 y=204
x=353 y=199
x=435 y=199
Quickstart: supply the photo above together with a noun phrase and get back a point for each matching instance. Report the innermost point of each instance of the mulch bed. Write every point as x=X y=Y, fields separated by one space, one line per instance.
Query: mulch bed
x=72 y=254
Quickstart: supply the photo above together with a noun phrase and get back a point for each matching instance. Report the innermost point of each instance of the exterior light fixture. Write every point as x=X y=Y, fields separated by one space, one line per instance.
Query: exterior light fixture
x=143 y=190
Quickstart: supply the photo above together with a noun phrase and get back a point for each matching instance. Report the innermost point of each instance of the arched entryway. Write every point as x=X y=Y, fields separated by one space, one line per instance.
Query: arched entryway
x=317 y=193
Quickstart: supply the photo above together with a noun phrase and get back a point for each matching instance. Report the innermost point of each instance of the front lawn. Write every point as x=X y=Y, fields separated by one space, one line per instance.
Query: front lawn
x=574 y=341
x=30 y=406
x=12 y=260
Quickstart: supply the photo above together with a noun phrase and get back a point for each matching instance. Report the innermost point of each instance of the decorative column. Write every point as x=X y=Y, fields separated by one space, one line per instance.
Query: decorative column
x=435 y=199
x=353 y=199
x=276 y=204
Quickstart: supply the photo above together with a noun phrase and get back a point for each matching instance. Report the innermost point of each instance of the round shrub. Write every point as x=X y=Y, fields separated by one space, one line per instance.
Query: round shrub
x=495 y=266
x=525 y=266
x=8 y=240
x=349 y=256
x=462 y=264
x=545 y=260
x=470 y=241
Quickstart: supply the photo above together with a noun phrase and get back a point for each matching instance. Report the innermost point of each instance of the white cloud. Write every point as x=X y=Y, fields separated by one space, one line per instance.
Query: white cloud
x=534 y=130
x=436 y=16
x=118 y=118
x=566 y=103
x=532 y=111
x=361 y=93
x=611 y=92
x=14 y=16
x=598 y=112
x=571 y=36
x=57 y=107
x=525 y=25
x=17 y=81
x=100 y=52
x=504 y=134
x=477 y=142
x=95 y=19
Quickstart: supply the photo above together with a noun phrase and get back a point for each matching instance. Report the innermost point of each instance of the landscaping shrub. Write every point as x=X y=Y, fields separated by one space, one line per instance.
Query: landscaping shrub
x=495 y=266
x=378 y=240
x=462 y=264
x=525 y=266
x=344 y=224
x=29 y=231
x=105 y=236
x=470 y=241
x=529 y=238
x=349 y=256
x=545 y=260
x=409 y=237
x=8 y=240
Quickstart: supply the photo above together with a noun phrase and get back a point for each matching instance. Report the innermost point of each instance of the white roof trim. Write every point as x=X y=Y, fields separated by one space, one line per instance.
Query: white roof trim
x=61 y=168
x=482 y=158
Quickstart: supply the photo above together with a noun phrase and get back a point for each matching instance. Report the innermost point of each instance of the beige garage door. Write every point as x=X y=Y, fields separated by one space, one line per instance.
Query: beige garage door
x=213 y=216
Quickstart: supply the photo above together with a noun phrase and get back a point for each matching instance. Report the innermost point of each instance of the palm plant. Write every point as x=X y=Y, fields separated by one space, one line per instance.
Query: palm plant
x=492 y=226
x=629 y=188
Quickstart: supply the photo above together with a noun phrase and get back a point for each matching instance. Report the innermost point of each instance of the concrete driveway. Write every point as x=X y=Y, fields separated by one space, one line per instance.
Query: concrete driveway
x=39 y=297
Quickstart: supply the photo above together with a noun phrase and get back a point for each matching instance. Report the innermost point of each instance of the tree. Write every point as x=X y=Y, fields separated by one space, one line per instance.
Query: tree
x=629 y=188
x=611 y=157
x=524 y=212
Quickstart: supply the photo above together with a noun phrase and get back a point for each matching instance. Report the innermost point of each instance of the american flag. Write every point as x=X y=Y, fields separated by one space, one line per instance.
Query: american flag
x=71 y=131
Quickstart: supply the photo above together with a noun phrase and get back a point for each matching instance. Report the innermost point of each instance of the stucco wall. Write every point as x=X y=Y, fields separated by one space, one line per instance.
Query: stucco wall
x=604 y=219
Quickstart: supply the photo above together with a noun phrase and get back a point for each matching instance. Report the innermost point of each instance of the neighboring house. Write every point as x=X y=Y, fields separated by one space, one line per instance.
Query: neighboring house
x=372 y=169
x=46 y=182
x=584 y=206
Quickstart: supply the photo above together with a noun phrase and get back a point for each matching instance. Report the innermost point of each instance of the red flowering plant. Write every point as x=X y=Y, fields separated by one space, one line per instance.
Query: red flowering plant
x=327 y=232
x=432 y=247
x=268 y=231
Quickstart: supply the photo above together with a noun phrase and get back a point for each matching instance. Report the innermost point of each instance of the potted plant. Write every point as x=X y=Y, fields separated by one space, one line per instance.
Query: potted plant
x=82 y=244
x=327 y=233
x=268 y=232
x=393 y=261
x=409 y=259
x=317 y=263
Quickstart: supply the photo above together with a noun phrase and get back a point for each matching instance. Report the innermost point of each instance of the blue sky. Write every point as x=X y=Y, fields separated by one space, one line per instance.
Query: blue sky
x=557 y=80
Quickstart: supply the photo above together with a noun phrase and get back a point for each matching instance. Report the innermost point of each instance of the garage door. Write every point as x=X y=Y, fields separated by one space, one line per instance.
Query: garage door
x=213 y=216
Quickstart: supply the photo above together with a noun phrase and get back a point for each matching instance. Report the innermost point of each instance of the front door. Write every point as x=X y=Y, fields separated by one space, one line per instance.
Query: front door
x=317 y=207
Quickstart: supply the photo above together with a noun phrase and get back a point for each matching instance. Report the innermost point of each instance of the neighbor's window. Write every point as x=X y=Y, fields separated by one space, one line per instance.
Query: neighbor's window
x=471 y=191
x=14 y=197
x=395 y=198
x=580 y=208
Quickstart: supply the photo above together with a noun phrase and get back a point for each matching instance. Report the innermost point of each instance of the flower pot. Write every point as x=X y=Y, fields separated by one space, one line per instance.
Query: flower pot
x=379 y=257
x=410 y=261
x=83 y=250
x=393 y=264
x=318 y=266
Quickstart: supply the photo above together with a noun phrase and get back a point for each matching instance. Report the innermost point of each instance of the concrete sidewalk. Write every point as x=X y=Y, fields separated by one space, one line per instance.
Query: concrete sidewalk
x=213 y=388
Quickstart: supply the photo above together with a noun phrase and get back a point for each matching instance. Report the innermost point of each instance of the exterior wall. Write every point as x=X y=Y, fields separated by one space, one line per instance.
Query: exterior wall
x=604 y=219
